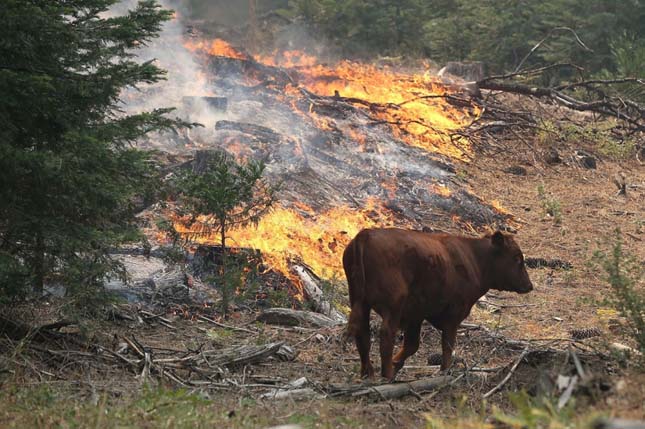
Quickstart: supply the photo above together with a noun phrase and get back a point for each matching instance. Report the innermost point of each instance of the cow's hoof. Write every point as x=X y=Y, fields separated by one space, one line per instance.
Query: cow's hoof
x=367 y=373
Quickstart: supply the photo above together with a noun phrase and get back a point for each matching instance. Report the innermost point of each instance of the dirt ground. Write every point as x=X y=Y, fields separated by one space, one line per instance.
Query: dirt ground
x=563 y=300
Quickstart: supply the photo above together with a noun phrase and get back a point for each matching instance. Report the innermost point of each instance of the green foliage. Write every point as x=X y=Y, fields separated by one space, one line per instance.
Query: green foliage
x=526 y=412
x=536 y=413
x=550 y=205
x=162 y=407
x=68 y=172
x=279 y=298
x=501 y=33
x=368 y=27
x=626 y=277
x=628 y=51
x=333 y=289
x=598 y=134
x=233 y=195
x=617 y=149
x=547 y=133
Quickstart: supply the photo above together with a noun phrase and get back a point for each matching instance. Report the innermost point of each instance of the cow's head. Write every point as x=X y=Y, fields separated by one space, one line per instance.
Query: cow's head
x=508 y=270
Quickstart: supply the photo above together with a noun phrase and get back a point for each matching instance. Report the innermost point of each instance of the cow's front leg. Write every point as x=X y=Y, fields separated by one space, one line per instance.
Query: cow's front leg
x=388 y=329
x=410 y=345
x=448 y=340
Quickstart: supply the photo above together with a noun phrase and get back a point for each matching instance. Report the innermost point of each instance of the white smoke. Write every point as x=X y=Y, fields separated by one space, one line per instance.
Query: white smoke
x=184 y=77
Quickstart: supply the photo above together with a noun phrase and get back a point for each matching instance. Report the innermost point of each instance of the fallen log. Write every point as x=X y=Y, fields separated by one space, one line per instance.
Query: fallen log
x=293 y=394
x=316 y=296
x=393 y=390
x=289 y=317
x=243 y=355
x=628 y=111
x=18 y=331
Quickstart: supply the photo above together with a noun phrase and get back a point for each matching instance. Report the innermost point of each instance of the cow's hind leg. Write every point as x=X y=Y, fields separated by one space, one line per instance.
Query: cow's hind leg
x=410 y=345
x=389 y=328
x=361 y=333
x=448 y=341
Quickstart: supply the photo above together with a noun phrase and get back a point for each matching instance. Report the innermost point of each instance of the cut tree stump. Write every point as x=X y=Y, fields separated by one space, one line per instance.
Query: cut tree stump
x=289 y=317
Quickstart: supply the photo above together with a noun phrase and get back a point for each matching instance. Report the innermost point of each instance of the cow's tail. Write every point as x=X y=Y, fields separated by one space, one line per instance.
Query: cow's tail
x=356 y=283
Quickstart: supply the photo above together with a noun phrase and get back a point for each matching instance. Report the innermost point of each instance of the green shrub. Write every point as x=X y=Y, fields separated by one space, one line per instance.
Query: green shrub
x=625 y=275
x=550 y=205
x=537 y=413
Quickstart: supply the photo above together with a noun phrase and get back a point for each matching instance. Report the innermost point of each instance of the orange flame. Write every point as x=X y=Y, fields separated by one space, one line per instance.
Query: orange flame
x=217 y=47
x=440 y=189
x=413 y=105
x=286 y=235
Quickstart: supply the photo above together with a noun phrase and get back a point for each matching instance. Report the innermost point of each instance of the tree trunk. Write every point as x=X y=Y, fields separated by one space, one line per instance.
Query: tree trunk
x=226 y=284
x=39 y=264
x=222 y=229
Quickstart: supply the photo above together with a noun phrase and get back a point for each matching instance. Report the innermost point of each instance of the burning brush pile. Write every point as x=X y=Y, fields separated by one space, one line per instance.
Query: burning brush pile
x=354 y=146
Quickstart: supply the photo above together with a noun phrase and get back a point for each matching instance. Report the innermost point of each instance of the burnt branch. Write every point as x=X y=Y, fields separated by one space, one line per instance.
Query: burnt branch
x=629 y=111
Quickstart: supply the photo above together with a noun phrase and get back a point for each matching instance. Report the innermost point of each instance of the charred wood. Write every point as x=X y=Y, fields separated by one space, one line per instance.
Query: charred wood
x=258 y=131
x=225 y=66
x=216 y=103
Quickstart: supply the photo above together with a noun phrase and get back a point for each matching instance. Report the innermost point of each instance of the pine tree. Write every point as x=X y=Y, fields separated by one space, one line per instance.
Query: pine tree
x=229 y=194
x=68 y=169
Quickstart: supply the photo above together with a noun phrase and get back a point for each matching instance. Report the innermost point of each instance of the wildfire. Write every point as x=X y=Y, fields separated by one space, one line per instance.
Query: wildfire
x=287 y=234
x=412 y=104
x=288 y=59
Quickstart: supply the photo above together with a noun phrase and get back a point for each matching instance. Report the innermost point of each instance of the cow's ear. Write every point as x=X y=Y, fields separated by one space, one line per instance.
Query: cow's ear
x=497 y=239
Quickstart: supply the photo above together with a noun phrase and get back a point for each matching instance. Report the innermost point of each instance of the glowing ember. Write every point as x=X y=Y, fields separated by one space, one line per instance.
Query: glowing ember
x=499 y=207
x=440 y=189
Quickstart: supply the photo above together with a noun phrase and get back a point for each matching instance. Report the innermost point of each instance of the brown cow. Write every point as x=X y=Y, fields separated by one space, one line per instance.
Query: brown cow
x=411 y=276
